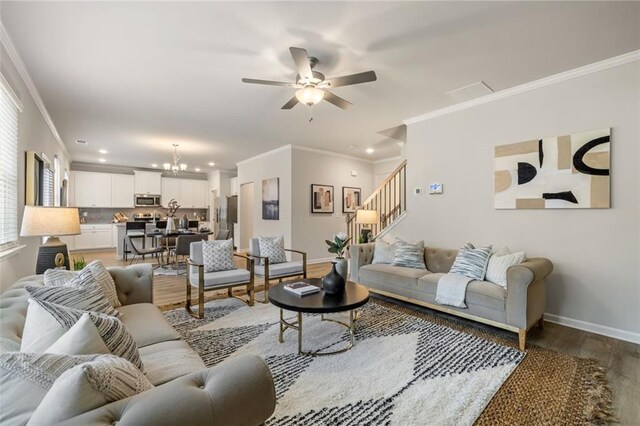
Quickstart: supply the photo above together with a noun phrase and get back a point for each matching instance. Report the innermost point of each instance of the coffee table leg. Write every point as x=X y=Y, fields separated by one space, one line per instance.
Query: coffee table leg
x=299 y=333
x=351 y=328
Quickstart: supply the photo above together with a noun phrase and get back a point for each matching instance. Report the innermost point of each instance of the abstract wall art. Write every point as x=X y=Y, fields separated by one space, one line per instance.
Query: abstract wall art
x=321 y=198
x=350 y=199
x=570 y=171
x=271 y=199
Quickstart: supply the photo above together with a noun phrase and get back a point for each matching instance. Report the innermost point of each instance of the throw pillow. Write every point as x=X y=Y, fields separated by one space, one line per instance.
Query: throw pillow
x=58 y=277
x=409 y=255
x=498 y=266
x=217 y=255
x=88 y=386
x=25 y=379
x=383 y=252
x=86 y=299
x=94 y=275
x=273 y=248
x=83 y=338
x=471 y=262
x=51 y=315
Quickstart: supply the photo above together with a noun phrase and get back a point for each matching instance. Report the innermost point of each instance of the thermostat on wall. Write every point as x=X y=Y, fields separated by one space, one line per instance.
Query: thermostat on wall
x=435 y=188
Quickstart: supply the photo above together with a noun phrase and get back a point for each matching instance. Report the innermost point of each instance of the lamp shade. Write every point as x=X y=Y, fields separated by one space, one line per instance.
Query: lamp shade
x=40 y=221
x=367 y=217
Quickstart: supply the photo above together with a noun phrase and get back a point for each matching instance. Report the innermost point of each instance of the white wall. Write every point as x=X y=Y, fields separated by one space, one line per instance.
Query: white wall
x=383 y=168
x=276 y=163
x=33 y=134
x=596 y=279
x=309 y=167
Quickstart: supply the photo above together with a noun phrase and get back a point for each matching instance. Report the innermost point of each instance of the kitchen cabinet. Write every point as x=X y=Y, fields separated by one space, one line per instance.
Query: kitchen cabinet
x=148 y=182
x=94 y=237
x=92 y=189
x=122 y=191
x=170 y=190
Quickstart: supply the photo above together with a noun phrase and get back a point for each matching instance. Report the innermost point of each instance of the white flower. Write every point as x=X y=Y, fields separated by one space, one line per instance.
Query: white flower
x=341 y=236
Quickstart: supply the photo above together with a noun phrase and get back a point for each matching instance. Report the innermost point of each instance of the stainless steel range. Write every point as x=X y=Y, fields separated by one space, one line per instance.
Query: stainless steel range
x=146 y=217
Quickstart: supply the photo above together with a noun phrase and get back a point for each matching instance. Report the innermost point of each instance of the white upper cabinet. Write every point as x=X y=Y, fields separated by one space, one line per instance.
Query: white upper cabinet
x=187 y=198
x=148 y=182
x=92 y=189
x=170 y=190
x=122 y=191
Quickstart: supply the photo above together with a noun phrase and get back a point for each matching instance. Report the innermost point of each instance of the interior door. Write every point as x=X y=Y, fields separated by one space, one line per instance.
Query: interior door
x=246 y=214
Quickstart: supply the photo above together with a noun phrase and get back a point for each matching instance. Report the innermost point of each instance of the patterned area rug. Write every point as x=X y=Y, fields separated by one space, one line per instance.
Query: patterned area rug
x=403 y=369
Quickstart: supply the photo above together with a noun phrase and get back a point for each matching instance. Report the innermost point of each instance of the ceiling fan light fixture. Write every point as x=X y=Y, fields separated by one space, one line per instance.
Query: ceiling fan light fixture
x=310 y=95
x=167 y=166
x=183 y=167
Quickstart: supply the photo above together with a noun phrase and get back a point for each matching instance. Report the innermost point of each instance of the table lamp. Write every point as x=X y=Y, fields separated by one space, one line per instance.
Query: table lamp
x=366 y=217
x=50 y=222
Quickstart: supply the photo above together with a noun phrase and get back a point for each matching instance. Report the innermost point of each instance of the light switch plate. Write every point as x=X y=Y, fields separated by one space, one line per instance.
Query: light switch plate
x=435 y=188
x=354 y=173
x=417 y=191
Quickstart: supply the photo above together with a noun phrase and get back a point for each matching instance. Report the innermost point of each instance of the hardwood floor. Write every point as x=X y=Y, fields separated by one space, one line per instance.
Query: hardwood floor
x=621 y=359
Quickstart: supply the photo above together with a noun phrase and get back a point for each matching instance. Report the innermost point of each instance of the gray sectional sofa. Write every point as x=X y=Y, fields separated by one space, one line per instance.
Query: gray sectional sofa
x=239 y=391
x=516 y=308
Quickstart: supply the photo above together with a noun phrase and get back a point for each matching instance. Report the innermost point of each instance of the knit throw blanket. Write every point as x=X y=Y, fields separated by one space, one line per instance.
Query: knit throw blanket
x=452 y=289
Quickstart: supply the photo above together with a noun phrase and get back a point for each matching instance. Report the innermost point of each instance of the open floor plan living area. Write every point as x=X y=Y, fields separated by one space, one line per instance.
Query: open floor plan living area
x=332 y=213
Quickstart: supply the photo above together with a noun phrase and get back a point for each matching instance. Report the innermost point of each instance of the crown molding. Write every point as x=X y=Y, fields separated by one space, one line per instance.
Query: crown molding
x=264 y=154
x=606 y=64
x=26 y=78
x=331 y=153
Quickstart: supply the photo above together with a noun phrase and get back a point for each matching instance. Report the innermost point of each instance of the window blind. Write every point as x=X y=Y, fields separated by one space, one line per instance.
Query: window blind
x=8 y=169
x=48 y=186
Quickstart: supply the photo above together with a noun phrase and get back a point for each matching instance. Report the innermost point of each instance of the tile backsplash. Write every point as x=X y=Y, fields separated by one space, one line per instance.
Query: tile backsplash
x=105 y=215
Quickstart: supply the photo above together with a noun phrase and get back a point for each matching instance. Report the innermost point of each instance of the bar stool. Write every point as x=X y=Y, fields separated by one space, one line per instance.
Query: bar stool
x=134 y=230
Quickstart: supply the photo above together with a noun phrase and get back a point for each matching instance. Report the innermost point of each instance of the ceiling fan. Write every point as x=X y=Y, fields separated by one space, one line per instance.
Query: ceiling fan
x=312 y=85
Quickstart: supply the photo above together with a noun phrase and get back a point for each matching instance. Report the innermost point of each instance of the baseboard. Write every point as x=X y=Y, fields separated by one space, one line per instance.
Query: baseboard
x=616 y=333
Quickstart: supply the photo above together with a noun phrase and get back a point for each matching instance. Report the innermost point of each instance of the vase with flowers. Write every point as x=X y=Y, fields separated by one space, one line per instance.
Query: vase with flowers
x=338 y=245
x=171 y=210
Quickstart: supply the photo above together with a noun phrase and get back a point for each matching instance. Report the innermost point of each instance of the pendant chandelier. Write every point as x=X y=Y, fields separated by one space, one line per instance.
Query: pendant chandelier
x=176 y=167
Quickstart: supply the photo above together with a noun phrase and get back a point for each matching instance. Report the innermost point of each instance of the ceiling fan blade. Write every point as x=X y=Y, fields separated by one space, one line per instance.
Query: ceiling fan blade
x=292 y=102
x=347 y=80
x=336 y=100
x=301 y=58
x=269 y=82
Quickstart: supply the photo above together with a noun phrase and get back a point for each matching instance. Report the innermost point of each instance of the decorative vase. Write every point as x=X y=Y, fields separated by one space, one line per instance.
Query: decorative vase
x=184 y=222
x=342 y=266
x=171 y=224
x=333 y=282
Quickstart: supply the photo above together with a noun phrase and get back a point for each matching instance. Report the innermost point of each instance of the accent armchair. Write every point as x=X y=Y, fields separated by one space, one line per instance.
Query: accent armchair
x=269 y=271
x=206 y=281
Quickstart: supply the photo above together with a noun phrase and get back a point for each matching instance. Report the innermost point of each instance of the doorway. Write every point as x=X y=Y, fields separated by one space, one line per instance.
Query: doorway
x=246 y=214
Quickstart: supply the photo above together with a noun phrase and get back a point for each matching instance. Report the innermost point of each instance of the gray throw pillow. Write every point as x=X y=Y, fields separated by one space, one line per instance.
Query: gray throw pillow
x=409 y=255
x=94 y=275
x=86 y=298
x=273 y=248
x=383 y=252
x=471 y=262
x=217 y=255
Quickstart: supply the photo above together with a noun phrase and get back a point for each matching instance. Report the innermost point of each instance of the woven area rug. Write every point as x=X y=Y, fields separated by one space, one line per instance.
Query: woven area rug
x=408 y=367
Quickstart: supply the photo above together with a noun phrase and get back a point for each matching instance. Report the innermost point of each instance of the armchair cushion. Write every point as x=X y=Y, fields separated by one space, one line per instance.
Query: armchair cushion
x=220 y=278
x=280 y=269
x=273 y=248
x=217 y=255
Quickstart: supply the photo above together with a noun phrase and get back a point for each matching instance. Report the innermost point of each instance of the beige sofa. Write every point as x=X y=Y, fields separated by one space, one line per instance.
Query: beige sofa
x=239 y=391
x=516 y=308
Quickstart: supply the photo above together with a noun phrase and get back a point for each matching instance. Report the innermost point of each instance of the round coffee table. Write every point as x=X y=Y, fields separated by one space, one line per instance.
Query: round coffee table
x=355 y=296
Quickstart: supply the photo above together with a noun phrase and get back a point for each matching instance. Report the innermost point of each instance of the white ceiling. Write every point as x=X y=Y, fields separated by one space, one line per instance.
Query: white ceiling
x=135 y=77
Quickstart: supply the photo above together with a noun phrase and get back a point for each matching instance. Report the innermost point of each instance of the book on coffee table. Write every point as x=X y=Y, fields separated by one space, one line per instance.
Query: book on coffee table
x=301 y=288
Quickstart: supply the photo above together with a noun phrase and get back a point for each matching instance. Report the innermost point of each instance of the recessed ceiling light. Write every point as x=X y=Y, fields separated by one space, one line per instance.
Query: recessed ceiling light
x=102 y=160
x=211 y=163
x=103 y=151
x=197 y=169
x=154 y=165
x=369 y=150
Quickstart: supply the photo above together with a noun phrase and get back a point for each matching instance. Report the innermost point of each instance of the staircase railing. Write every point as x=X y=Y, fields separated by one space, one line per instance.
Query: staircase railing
x=389 y=200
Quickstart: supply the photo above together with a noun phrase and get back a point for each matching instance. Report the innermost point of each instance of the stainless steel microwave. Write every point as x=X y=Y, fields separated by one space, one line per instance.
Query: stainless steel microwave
x=146 y=200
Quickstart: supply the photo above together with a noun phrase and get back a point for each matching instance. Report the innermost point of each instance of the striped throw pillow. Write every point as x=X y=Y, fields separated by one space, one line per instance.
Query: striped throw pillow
x=409 y=255
x=471 y=262
x=58 y=277
x=93 y=275
x=114 y=334
x=85 y=298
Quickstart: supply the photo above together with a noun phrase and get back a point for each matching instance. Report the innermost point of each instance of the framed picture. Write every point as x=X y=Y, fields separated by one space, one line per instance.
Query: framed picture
x=321 y=198
x=350 y=199
x=271 y=199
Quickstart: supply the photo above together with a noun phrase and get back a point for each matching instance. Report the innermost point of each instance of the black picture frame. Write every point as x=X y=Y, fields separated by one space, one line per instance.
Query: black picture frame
x=318 y=198
x=356 y=203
